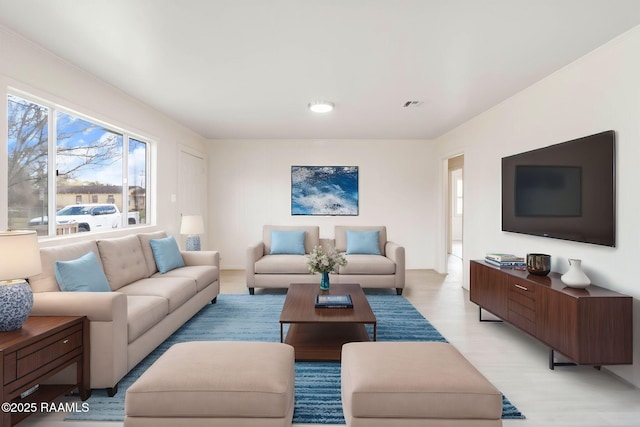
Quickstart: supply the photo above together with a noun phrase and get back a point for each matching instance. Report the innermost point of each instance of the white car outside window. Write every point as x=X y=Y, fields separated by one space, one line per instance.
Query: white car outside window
x=93 y=217
x=89 y=217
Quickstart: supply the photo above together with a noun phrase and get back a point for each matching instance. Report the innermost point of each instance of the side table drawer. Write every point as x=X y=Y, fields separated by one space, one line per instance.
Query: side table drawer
x=9 y=368
x=39 y=354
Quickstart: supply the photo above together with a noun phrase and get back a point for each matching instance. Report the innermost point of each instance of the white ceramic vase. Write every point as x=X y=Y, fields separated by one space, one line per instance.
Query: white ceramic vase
x=575 y=277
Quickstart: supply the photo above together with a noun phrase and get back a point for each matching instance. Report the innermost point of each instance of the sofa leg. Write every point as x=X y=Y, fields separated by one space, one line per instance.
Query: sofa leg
x=252 y=291
x=215 y=300
x=399 y=291
x=111 y=391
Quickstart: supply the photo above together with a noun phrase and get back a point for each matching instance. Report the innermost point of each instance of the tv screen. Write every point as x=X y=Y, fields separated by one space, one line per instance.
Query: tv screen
x=564 y=191
x=548 y=191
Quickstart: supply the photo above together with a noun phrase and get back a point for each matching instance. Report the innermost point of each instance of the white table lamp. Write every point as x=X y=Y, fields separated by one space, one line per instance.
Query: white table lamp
x=192 y=226
x=19 y=259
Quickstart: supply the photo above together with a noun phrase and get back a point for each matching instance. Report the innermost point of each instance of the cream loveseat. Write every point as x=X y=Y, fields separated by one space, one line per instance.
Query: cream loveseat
x=143 y=307
x=266 y=269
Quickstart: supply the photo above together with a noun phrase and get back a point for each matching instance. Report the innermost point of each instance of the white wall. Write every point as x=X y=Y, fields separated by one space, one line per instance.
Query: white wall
x=600 y=91
x=28 y=67
x=250 y=185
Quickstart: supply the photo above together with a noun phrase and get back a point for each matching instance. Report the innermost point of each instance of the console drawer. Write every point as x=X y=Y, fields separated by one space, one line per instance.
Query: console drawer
x=522 y=304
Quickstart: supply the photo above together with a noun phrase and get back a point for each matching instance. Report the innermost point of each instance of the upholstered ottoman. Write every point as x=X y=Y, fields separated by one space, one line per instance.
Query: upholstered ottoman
x=407 y=384
x=230 y=384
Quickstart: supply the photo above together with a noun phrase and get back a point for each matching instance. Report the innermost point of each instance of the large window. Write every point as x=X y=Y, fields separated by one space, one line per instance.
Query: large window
x=59 y=160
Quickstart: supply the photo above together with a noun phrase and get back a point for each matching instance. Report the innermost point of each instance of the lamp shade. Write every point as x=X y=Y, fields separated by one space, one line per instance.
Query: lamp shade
x=20 y=255
x=192 y=224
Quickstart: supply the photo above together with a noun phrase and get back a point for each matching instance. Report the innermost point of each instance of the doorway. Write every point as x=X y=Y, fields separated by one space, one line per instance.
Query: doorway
x=455 y=206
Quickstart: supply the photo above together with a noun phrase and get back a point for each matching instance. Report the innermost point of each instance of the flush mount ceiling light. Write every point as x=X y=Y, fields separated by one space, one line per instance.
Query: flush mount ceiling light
x=321 y=106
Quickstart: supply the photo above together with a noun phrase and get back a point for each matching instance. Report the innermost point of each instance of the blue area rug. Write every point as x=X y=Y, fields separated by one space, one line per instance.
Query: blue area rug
x=256 y=318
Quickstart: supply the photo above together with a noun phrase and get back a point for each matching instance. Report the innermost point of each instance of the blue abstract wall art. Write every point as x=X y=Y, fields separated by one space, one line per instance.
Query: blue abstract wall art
x=324 y=190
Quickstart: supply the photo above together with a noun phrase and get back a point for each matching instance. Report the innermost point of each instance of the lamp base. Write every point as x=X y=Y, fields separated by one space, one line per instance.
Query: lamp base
x=16 y=301
x=192 y=243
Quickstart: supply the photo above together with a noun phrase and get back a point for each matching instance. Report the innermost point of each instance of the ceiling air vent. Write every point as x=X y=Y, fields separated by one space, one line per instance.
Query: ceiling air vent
x=409 y=104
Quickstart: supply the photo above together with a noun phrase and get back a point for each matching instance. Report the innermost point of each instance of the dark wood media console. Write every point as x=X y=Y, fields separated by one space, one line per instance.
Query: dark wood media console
x=591 y=326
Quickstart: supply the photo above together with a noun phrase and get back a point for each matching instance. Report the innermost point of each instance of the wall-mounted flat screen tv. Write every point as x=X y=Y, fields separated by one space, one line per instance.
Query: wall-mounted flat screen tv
x=565 y=191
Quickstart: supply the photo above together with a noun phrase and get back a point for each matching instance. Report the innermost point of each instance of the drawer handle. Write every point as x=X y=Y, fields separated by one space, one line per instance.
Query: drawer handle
x=521 y=287
x=65 y=341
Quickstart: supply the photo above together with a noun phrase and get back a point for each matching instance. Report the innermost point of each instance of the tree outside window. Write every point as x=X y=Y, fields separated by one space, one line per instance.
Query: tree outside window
x=28 y=137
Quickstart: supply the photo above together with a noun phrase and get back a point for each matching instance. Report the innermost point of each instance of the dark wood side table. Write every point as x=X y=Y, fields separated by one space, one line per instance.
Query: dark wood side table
x=43 y=347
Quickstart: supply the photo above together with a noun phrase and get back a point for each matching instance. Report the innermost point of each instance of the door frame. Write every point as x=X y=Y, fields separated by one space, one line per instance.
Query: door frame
x=444 y=226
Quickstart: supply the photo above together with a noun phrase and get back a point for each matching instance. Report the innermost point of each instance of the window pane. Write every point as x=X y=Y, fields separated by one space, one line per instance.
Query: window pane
x=88 y=162
x=27 y=164
x=137 y=182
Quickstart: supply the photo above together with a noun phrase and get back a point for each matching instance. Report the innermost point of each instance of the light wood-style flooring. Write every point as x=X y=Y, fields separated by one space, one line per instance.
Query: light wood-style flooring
x=515 y=363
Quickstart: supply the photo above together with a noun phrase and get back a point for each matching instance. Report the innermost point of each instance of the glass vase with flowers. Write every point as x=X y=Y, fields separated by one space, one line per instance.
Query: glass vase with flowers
x=325 y=262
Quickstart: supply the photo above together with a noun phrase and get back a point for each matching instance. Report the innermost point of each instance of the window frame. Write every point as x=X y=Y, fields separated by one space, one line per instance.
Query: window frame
x=55 y=107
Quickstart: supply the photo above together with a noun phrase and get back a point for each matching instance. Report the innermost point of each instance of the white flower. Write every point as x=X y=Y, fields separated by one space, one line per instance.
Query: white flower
x=320 y=261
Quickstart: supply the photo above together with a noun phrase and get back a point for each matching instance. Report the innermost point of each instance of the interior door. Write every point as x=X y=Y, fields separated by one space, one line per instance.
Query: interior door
x=192 y=196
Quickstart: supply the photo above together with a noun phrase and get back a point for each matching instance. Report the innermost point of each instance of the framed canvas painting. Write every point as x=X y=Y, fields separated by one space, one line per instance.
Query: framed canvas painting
x=324 y=190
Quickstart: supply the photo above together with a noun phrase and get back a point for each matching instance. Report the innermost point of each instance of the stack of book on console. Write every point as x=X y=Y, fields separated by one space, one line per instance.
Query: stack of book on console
x=505 y=260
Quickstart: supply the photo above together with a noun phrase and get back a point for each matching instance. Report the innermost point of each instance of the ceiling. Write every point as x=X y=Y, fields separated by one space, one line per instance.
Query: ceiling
x=248 y=68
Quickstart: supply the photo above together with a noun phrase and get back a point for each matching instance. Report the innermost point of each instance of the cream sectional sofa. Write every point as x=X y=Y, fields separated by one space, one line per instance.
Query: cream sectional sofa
x=266 y=270
x=143 y=308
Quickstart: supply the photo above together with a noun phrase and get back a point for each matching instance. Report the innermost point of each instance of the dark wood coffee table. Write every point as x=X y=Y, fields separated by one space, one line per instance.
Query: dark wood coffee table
x=317 y=334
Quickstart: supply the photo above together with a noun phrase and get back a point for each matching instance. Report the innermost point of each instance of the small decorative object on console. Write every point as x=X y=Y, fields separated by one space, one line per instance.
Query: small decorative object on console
x=575 y=277
x=505 y=260
x=325 y=263
x=502 y=257
x=539 y=264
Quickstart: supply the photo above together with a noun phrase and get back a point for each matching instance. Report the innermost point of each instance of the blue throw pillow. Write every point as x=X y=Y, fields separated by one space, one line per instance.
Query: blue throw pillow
x=287 y=242
x=166 y=253
x=82 y=275
x=363 y=242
